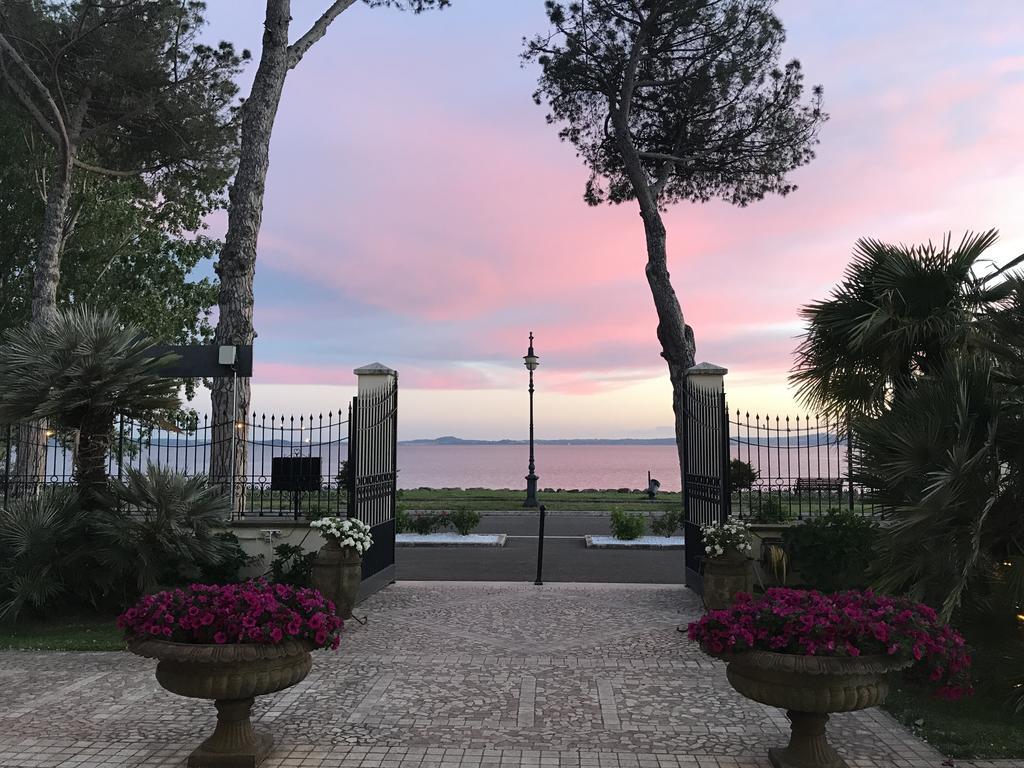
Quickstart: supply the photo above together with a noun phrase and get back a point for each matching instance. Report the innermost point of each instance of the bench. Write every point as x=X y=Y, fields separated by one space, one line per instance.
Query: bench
x=818 y=484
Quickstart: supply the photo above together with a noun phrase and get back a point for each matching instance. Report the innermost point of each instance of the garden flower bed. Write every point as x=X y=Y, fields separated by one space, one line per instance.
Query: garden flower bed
x=450 y=540
x=642 y=542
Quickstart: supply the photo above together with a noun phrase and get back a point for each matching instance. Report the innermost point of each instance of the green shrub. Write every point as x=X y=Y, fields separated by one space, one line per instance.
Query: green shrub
x=159 y=528
x=628 y=525
x=741 y=475
x=233 y=560
x=292 y=565
x=153 y=530
x=667 y=524
x=464 y=520
x=425 y=523
x=403 y=521
x=46 y=557
x=832 y=552
x=769 y=509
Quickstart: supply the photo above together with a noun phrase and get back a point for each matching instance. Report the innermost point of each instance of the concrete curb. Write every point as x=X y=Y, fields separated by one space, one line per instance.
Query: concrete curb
x=450 y=540
x=644 y=542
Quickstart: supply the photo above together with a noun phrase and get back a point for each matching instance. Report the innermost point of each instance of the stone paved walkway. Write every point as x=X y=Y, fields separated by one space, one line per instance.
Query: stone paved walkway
x=449 y=675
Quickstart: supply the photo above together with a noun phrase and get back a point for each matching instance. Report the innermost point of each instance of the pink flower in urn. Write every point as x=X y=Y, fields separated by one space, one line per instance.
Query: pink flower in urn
x=851 y=624
x=254 y=612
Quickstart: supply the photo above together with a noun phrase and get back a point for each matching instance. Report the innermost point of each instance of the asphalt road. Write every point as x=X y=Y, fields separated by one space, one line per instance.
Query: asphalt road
x=565 y=559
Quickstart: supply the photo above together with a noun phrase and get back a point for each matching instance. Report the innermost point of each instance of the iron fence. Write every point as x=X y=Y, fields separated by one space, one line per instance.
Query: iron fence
x=800 y=467
x=187 y=449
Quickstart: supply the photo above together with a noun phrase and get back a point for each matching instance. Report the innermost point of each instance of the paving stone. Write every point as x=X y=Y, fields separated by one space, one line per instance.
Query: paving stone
x=450 y=675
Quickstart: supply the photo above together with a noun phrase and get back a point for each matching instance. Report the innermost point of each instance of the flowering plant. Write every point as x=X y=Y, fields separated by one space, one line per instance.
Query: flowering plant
x=253 y=612
x=348 y=531
x=719 y=538
x=850 y=624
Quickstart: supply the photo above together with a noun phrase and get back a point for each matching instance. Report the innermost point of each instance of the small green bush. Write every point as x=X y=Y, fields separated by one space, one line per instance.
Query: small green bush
x=403 y=522
x=741 y=475
x=832 y=552
x=628 y=525
x=233 y=558
x=292 y=565
x=426 y=523
x=667 y=524
x=464 y=520
x=769 y=509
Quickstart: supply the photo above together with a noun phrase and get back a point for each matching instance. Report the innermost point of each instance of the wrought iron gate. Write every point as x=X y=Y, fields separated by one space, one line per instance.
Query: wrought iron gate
x=706 y=491
x=373 y=472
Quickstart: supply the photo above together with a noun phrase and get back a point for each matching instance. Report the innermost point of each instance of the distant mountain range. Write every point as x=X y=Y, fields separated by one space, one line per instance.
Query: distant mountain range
x=795 y=442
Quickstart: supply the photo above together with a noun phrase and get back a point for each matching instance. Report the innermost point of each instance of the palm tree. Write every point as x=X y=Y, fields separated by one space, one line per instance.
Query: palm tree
x=926 y=355
x=160 y=527
x=946 y=465
x=78 y=372
x=45 y=555
x=901 y=312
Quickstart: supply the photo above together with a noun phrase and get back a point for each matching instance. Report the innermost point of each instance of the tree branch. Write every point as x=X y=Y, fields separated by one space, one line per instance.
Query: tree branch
x=107 y=171
x=298 y=49
x=60 y=130
x=30 y=106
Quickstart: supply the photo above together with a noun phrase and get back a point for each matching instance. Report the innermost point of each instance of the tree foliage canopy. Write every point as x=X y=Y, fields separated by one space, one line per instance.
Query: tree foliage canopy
x=126 y=249
x=693 y=87
x=127 y=82
x=902 y=312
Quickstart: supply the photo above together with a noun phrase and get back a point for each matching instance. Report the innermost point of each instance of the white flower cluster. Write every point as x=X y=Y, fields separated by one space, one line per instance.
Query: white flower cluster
x=719 y=538
x=348 y=531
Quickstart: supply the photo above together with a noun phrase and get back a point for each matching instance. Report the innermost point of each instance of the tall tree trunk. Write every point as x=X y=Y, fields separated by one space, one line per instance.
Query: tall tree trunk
x=237 y=264
x=30 y=465
x=676 y=337
x=91 y=458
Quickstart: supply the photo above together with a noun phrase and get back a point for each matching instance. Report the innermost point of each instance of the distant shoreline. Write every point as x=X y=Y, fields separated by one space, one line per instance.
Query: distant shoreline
x=448 y=440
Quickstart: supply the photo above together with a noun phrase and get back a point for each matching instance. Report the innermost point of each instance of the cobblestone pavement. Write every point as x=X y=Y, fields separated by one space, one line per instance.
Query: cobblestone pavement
x=449 y=675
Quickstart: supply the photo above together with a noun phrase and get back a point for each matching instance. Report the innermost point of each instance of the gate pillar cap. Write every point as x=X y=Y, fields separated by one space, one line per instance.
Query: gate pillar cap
x=375 y=369
x=706 y=369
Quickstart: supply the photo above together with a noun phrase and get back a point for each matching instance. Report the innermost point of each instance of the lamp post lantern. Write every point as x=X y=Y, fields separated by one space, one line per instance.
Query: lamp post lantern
x=531 y=361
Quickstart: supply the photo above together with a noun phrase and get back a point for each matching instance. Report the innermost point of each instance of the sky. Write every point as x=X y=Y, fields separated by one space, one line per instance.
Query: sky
x=421 y=213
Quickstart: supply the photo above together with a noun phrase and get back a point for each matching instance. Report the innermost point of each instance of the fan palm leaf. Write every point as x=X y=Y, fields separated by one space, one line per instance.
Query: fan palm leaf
x=78 y=372
x=160 y=527
x=900 y=312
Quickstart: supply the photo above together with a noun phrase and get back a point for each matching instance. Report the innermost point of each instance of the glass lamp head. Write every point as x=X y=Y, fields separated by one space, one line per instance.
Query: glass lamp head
x=530 y=359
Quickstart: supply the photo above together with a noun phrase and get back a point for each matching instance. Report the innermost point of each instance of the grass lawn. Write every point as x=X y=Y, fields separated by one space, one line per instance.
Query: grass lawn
x=483 y=500
x=72 y=633
x=979 y=727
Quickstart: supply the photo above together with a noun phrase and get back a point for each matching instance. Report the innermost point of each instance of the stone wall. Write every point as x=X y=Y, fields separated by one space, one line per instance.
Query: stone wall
x=259 y=535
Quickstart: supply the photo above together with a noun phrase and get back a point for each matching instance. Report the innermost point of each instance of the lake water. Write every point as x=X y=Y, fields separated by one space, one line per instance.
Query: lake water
x=558 y=466
x=505 y=466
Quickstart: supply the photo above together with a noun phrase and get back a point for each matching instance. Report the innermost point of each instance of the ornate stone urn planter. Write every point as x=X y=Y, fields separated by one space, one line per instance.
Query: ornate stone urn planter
x=813 y=654
x=337 y=574
x=231 y=643
x=231 y=675
x=809 y=688
x=338 y=568
x=725 y=577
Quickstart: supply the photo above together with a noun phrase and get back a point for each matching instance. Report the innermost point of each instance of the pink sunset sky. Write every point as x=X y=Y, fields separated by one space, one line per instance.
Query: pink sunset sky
x=421 y=213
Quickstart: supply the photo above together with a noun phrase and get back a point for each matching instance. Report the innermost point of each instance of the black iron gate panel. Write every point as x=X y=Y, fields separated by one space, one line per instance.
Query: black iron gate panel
x=373 y=471
x=706 y=495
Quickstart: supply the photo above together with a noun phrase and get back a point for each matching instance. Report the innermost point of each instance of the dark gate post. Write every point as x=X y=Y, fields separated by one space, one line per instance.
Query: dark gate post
x=7 y=466
x=373 y=455
x=706 y=491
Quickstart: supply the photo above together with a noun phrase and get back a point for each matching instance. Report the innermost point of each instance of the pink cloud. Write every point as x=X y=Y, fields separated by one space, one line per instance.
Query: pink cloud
x=461 y=218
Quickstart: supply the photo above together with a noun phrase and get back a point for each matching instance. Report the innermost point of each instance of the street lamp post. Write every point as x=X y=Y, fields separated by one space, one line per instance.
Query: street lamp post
x=531 y=361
